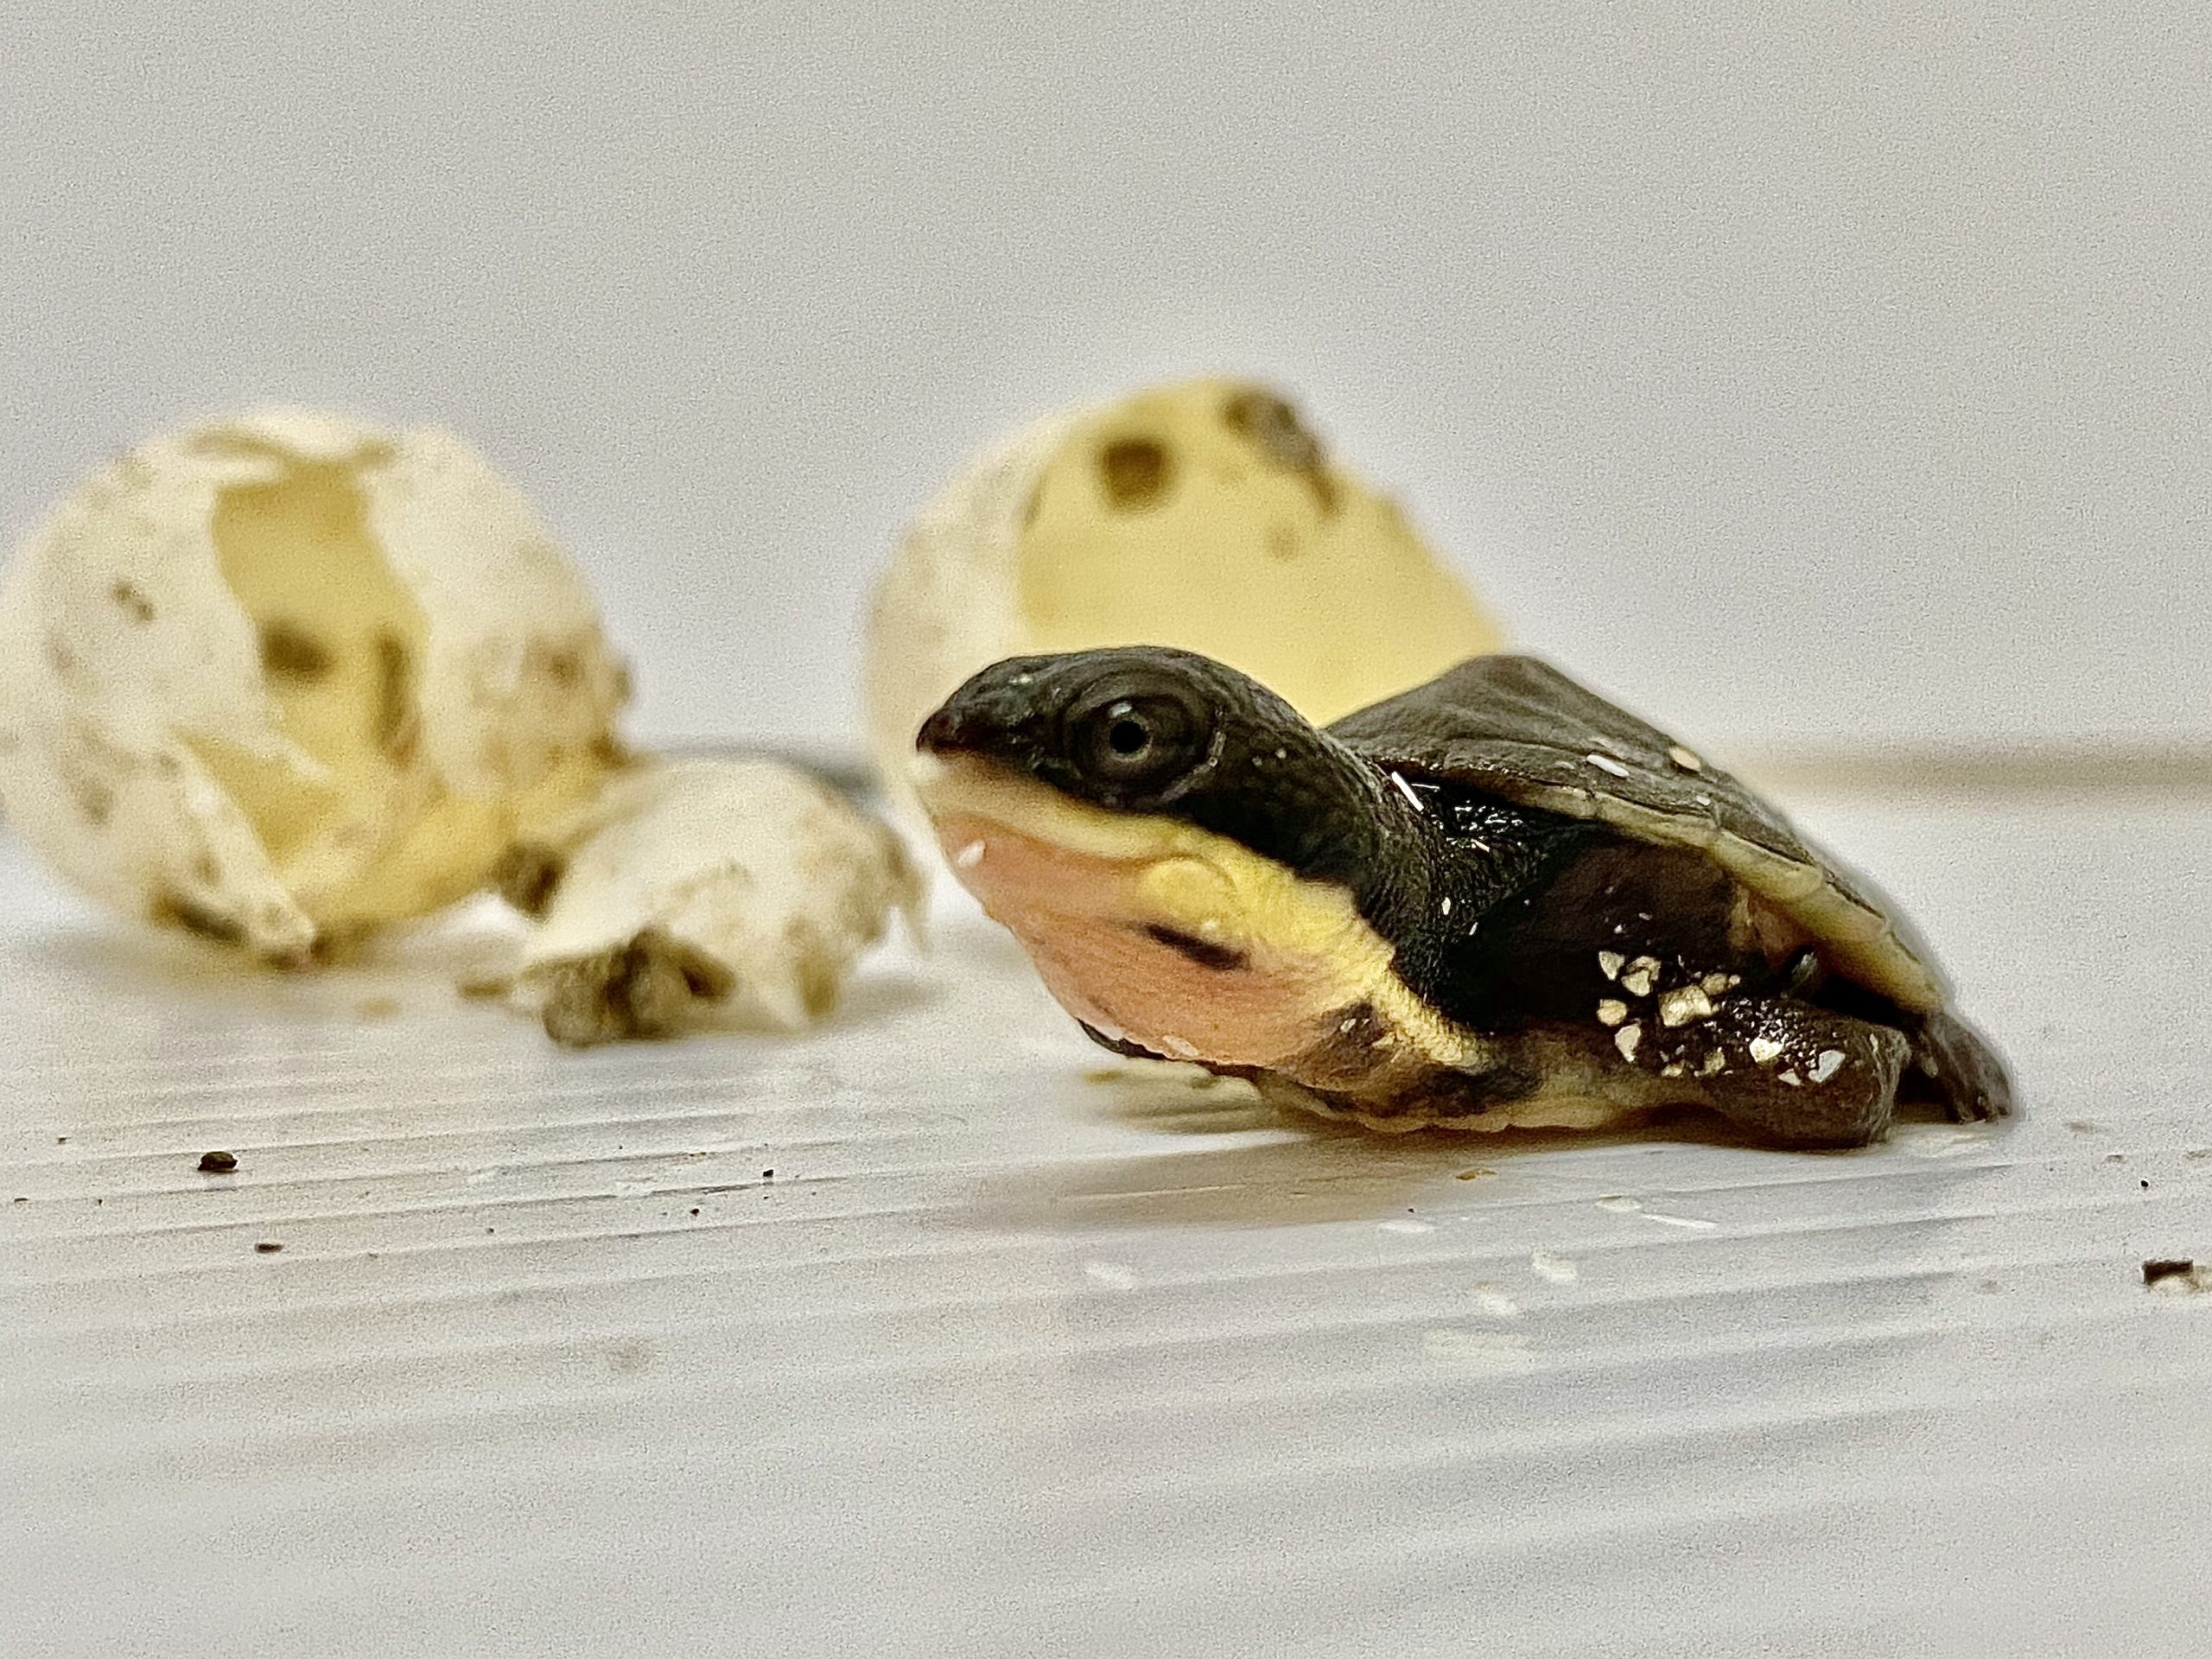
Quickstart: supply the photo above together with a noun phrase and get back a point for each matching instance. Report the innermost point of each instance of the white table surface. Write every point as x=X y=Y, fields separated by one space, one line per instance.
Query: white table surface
x=1007 y=1359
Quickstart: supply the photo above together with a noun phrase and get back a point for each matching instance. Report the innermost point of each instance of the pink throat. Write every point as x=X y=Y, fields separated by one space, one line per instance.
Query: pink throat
x=1083 y=920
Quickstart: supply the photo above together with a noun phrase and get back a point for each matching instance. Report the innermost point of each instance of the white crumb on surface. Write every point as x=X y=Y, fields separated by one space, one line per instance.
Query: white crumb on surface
x=1478 y=1351
x=1937 y=1140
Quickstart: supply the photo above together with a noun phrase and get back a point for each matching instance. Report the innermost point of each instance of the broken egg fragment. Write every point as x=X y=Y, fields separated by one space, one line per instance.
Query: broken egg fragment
x=737 y=891
x=281 y=679
x=1204 y=515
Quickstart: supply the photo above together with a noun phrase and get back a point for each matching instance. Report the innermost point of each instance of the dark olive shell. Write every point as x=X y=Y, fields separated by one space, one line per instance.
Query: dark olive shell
x=1516 y=728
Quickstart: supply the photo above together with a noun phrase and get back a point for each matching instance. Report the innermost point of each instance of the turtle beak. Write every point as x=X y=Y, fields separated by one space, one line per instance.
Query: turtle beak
x=944 y=732
x=999 y=712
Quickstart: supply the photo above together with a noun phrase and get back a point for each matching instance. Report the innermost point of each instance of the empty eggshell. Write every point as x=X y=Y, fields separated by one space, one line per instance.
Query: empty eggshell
x=1204 y=515
x=282 y=679
x=739 y=891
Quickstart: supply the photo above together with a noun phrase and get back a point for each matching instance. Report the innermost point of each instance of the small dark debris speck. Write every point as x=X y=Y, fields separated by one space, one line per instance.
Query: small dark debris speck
x=218 y=1163
x=2154 y=1271
x=695 y=1209
x=2146 y=1186
x=767 y=1174
x=267 y=1247
x=60 y=1139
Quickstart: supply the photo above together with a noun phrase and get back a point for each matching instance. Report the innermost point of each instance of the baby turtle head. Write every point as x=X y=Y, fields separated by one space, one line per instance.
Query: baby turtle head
x=1178 y=850
x=1153 y=731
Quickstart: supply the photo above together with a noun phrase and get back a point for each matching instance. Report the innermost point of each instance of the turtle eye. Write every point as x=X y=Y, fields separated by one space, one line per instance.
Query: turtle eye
x=1137 y=739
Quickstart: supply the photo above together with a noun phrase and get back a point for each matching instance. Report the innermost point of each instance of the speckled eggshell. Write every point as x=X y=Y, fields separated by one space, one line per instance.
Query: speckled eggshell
x=178 y=749
x=746 y=888
x=1203 y=515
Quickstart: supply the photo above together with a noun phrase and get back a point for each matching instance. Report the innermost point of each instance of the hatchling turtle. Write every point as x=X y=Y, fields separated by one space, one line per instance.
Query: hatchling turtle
x=1494 y=901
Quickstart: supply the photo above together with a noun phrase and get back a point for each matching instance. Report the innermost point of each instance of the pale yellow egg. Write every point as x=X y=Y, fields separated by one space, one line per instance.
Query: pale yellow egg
x=1205 y=515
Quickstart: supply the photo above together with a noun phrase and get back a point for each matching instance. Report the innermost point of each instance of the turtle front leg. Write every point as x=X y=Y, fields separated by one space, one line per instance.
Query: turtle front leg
x=1796 y=1074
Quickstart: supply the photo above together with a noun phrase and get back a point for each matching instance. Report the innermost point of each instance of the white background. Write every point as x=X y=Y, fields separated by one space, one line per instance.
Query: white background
x=1795 y=370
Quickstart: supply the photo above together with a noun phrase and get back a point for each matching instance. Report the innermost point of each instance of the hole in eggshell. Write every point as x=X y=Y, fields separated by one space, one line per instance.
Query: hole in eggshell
x=337 y=638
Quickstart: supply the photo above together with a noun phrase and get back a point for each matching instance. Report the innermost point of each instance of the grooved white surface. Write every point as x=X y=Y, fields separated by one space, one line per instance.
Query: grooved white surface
x=1003 y=1360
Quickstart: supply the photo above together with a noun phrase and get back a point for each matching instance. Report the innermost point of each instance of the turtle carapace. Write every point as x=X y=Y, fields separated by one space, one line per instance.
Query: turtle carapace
x=1494 y=901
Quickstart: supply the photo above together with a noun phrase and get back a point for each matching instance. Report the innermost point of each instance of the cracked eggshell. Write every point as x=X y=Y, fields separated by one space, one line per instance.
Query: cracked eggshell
x=281 y=678
x=1203 y=515
x=739 y=890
